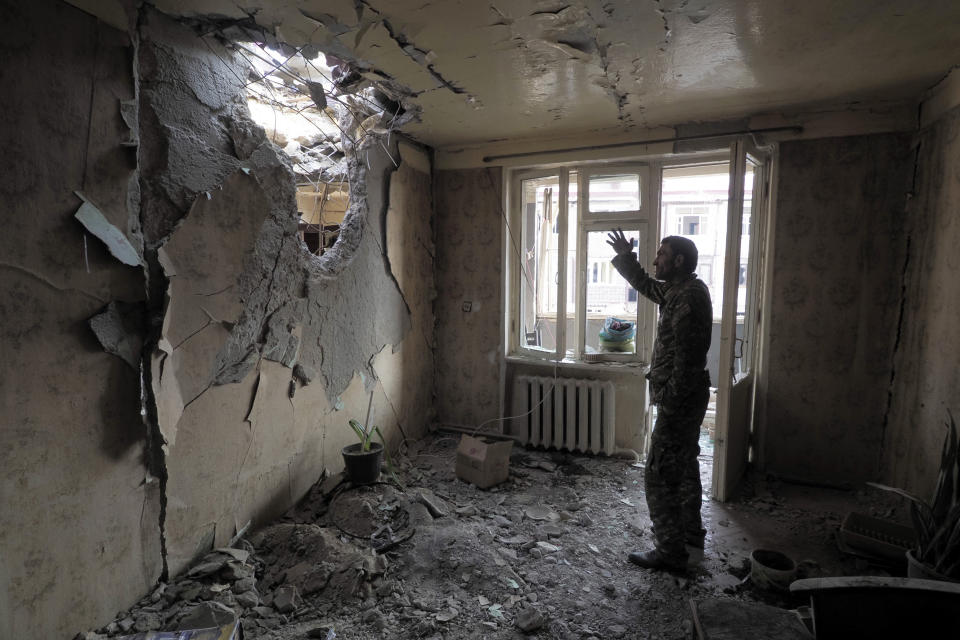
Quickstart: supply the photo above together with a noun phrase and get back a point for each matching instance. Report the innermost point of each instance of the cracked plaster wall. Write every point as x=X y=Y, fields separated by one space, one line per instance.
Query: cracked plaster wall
x=247 y=304
x=469 y=269
x=840 y=244
x=257 y=353
x=926 y=380
x=78 y=536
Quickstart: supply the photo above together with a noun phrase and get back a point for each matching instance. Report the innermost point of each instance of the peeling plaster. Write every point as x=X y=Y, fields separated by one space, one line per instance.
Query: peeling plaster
x=665 y=62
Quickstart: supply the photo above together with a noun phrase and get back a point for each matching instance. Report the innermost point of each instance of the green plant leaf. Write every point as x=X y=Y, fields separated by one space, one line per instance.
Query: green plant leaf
x=386 y=452
x=362 y=434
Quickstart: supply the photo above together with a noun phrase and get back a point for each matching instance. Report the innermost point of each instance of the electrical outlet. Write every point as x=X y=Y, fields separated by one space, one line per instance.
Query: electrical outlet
x=466 y=306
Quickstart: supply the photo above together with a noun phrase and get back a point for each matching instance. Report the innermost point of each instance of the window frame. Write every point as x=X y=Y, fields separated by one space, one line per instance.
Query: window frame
x=644 y=220
x=517 y=338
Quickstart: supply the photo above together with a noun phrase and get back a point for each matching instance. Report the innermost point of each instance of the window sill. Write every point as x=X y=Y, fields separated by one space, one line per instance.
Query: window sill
x=635 y=367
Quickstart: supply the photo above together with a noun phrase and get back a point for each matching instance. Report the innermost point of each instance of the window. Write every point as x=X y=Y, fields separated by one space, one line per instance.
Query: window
x=566 y=287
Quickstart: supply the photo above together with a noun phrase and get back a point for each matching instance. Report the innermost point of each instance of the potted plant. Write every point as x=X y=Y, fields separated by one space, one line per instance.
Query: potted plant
x=362 y=459
x=937 y=553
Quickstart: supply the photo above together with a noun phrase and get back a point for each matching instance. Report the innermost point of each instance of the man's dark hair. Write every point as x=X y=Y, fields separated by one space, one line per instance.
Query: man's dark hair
x=683 y=247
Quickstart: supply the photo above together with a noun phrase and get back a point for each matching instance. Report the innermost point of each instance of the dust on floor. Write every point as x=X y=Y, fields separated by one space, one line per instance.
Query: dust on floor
x=542 y=555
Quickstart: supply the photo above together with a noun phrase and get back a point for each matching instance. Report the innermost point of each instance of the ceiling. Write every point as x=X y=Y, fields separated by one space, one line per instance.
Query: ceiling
x=505 y=69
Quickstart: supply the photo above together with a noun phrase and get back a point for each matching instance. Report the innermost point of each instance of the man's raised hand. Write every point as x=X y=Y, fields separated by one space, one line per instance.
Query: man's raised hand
x=619 y=242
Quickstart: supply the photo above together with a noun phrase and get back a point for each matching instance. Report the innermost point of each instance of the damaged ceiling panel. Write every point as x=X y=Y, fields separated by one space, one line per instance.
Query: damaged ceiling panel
x=482 y=71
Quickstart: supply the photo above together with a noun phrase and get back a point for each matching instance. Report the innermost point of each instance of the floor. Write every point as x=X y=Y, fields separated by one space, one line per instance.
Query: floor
x=541 y=555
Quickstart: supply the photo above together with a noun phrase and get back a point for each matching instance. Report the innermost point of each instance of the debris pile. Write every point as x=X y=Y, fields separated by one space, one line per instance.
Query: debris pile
x=543 y=554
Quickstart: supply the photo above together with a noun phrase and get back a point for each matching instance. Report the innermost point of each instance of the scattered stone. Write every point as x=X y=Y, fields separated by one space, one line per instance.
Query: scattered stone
x=157 y=594
x=617 y=630
x=146 y=621
x=529 y=620
x=286 y=599
x=244 y=585
x=434 y=504
x=500 y=521
x=467 y=511
x=240 y=555
x=541 y=512
x=126 y=624
x=319 y=632
x=190 y=593
x=234 y=571
x=552 y=530
x=546 y=547
x=206 y=615
x=447 y=615
x=374 y=618
x=248 y=599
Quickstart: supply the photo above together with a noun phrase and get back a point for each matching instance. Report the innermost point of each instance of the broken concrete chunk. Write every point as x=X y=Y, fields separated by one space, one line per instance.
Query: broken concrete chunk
x=286 y=599
x=97 y=224
x=237 y=571
x=118 y=327
x=207 y=568
x=529 y=620
x=434 y=504
x=248 y=599
x=541 y=512
x=240 y=555
x=317 y=94
x=207 y=615
x=546 y=547
x=447 y=615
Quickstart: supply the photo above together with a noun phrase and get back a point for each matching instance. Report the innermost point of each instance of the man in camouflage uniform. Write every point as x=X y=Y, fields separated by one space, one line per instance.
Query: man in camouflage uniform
x=680 y=387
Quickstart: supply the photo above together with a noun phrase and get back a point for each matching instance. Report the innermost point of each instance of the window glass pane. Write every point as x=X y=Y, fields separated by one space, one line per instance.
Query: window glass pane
x=608 y=296
x=694 y=204
x=742 y=354
x=539 y=270
x=614 y=193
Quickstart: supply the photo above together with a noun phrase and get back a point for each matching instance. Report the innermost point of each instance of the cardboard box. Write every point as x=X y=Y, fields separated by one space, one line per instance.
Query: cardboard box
x=483 y=462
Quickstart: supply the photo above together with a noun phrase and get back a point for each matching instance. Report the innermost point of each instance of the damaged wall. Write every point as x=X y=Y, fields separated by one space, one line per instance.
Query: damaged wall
x=838 y=258
x=267 y=351
x=926 y=380
x=256 y=352
x=469 y=282
x=78 y=536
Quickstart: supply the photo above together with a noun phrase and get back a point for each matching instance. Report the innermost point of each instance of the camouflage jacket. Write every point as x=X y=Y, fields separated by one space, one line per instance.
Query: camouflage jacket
x=683 y=331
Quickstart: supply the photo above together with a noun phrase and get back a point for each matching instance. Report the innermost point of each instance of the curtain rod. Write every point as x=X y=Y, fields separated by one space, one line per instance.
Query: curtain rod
x=616 y=145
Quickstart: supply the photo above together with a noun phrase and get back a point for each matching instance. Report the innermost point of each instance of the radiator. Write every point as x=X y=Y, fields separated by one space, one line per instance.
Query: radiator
x=576 y=415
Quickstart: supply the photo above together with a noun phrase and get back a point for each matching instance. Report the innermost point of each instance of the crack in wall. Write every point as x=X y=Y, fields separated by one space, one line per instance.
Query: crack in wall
x=156 y=284
x=900 y=316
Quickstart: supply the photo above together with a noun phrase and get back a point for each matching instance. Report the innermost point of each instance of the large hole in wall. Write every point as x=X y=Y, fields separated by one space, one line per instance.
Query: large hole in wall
x=317 y=110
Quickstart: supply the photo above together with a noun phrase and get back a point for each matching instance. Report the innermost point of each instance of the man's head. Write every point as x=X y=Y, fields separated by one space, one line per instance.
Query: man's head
x=676 y=256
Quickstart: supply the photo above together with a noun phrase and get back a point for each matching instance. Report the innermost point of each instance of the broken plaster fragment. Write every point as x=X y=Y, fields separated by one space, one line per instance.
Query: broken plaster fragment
x=318 y=94
x=96 y=223
x=128 y=112
x=118 y=327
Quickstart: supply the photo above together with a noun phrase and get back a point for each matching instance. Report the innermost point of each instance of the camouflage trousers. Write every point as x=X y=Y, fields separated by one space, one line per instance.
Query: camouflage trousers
x=672 y=477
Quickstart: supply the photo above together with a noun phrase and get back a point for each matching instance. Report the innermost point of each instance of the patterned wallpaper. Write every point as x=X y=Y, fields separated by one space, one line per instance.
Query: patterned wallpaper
x=468 y=249
x=838 y=259
x=927 y=375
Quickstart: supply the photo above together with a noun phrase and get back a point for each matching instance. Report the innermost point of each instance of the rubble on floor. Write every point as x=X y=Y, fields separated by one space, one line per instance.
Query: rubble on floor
x=541 y=555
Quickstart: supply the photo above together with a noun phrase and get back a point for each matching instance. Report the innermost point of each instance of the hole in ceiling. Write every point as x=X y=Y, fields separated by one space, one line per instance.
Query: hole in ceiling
x=317 y=111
